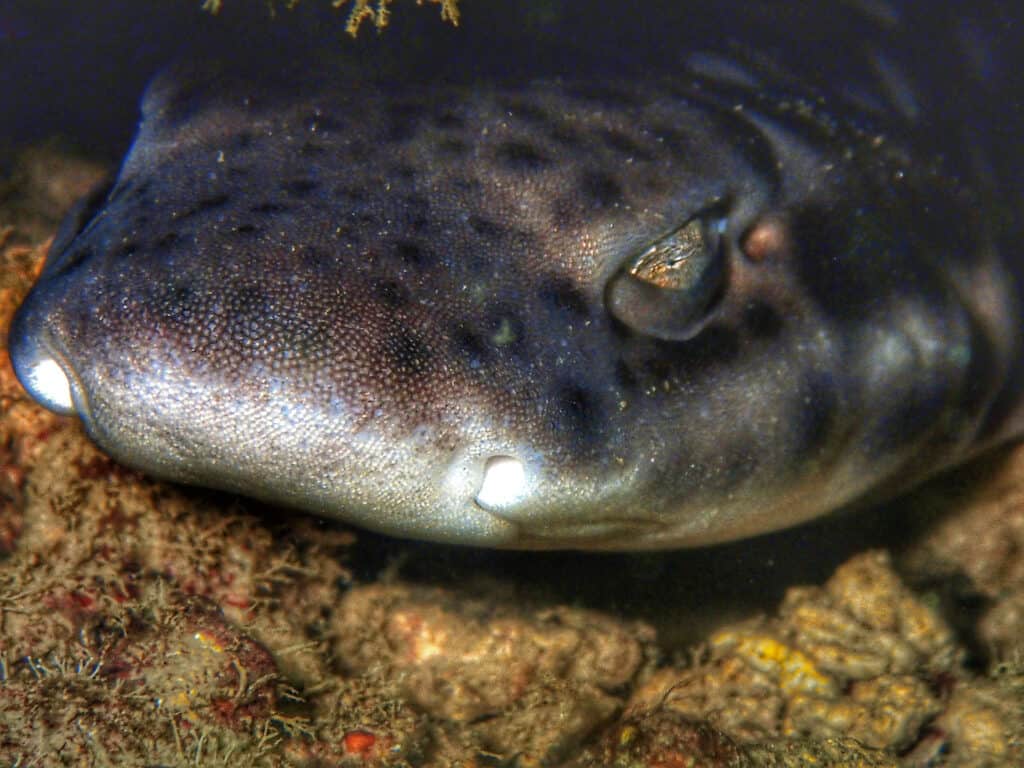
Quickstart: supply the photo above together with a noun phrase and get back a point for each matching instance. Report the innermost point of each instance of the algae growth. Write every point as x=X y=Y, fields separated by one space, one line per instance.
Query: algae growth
x=374 y=12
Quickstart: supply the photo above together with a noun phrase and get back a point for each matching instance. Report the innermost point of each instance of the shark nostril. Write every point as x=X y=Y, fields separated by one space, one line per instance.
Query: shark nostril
x=46 y=381
x=37 y=368
x=504 y=483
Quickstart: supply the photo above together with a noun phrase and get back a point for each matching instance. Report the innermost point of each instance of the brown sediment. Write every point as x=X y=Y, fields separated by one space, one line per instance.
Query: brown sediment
x=143 y=623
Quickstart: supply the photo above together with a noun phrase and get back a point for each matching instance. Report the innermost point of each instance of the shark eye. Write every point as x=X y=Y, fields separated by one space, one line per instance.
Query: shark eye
x=667 y=289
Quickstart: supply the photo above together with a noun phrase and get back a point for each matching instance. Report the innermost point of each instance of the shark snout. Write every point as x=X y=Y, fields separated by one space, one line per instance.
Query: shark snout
x=43 y=371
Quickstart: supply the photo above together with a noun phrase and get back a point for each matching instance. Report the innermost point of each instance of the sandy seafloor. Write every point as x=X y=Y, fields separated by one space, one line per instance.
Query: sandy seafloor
x=144 y=624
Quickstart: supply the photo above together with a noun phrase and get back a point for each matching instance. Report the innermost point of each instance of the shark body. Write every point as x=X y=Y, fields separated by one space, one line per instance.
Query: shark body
x=546 y=312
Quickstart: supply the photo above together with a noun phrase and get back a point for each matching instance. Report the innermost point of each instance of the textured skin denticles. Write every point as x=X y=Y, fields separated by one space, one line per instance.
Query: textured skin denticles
x=355 y=299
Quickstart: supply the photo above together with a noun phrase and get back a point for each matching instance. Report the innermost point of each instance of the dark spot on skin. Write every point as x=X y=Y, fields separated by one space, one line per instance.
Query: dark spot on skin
x=391 y=293
x=404 y=171
x=402 y=121
x=761 y=320
x=242 y=141
x=565 y=134
x=815 y=415
x=126 y=249
x=166 y=241
x=565 y=211
x=349 y=235
x=487 y=228
x=563 y=295
x=468 y=185
x=237 y=172
x=737 y=462
x=413 y=253
x=454 y=147
x=577 y=412
x=203 y=205
x=300 y=187
x=245 y=229
x=655 y=184
x=213 y=201
x=600 y=189
x=620 y=142
x=268 y=208
x=415 y=206
x=310 y=257
x=181 y=294
x=449 y=121
x=354 y=195
x=655 y=370
x=625 y=377
x=521 y=156
x=311 y=148
x=468 y=345
x=407 y=353
x=525 y=240
x=141 y=221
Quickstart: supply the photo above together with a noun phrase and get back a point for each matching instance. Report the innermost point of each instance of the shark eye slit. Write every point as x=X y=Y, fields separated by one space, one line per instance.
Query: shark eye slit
x=669 y=288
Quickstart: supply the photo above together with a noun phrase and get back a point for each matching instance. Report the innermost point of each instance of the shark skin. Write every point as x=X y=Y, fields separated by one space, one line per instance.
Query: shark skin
x=547 y=312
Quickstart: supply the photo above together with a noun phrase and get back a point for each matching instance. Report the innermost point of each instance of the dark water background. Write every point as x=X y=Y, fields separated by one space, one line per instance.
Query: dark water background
x=79 y=67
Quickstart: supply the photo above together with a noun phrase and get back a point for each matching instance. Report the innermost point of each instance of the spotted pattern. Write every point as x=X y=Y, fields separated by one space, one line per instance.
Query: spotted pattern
x=349 y=298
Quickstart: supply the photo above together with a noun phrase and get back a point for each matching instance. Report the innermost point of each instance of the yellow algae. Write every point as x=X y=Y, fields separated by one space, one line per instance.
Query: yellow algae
x=376 y=12
x=795 y=671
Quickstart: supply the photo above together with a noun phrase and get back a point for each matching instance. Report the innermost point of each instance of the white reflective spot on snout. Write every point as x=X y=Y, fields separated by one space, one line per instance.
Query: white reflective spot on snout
x=49 y=384
x=504 y=483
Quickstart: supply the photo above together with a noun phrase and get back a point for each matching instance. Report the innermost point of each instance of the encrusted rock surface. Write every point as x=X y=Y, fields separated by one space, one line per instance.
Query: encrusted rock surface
x=143 y=624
